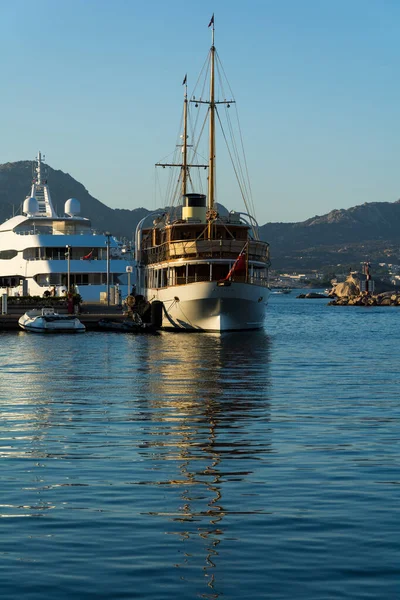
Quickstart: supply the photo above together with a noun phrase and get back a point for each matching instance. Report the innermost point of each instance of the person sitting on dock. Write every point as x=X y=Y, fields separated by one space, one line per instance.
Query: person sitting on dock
x=130 y=303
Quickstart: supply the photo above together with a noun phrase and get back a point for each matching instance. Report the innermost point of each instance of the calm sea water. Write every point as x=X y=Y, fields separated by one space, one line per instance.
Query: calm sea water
x=262 y=465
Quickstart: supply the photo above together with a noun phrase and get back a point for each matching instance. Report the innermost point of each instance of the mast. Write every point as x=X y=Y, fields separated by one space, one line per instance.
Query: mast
x=184 y=157
x=211 y=159
x=184 y=166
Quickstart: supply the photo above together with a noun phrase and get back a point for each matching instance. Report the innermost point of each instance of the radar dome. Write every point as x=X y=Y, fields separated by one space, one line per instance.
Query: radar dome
x=31 y=206
x=72 y=207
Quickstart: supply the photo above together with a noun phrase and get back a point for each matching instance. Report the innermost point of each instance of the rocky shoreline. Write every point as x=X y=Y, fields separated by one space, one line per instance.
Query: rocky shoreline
x=313 y=295
x=365 y=299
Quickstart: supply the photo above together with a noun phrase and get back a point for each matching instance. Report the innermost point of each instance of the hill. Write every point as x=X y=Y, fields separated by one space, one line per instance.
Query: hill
x=15 y=183
x=370 y=231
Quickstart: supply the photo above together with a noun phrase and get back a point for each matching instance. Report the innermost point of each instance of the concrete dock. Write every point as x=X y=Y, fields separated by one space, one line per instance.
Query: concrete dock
x=90 y=316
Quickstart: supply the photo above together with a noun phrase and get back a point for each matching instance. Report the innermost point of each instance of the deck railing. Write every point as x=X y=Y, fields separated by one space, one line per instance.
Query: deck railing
x=183 y=280
x=203 y=249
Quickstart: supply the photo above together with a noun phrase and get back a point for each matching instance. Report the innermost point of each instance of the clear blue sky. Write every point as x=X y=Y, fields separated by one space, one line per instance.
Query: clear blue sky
x=96 y=86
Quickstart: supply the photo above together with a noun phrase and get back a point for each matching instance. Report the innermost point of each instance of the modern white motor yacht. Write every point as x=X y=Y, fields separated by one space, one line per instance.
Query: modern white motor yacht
x=40 y=250
x=46 y=320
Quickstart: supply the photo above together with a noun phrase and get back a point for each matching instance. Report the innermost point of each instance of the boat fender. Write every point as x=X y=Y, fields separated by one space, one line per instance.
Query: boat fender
x=156 y=313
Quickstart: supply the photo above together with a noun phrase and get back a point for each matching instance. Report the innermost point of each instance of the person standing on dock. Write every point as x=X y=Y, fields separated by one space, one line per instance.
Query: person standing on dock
x=70 y=303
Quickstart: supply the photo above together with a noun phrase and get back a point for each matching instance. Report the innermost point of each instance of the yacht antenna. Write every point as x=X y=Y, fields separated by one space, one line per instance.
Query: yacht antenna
x=39 y=169
x=40 y=189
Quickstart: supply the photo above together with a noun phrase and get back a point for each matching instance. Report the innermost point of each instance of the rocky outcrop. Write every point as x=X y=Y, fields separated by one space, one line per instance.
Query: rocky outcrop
x=313 y=296
x=350 y=287
x=364 y=299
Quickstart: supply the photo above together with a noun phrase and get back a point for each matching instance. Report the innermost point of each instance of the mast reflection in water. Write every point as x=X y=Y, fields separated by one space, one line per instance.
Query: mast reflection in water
x=138 y=460
x=210 y=411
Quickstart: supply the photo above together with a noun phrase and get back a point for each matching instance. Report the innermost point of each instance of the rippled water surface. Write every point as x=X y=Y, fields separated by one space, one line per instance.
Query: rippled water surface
x=262 y=465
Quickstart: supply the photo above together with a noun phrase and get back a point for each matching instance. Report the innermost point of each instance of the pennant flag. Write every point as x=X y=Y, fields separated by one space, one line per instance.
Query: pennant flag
x=88 y=256
x=185 y=79
x=239 y=266
x=212 y=21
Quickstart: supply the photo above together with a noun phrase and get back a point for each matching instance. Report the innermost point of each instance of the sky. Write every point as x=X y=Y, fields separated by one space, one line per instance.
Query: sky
x=97 y=87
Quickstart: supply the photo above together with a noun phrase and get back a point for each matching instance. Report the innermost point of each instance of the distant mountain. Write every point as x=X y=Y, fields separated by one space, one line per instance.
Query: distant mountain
x=347 y=237
x=370 y=231
x=15 y=184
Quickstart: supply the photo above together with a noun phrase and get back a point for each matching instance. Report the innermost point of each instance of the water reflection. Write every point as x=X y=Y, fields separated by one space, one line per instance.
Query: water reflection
x=208 y=401
x=183 y=418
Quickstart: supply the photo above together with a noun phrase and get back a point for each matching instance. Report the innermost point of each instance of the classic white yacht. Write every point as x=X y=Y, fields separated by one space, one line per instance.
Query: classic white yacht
x=209 y=270
x=40 y=251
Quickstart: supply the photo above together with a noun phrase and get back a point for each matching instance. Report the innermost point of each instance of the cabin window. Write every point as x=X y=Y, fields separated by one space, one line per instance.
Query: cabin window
x=161 y=278
x=43 y=253
x=55 y=279
x=8 y=254
x=259 y=276
x=180 y=274
x=171 y=276
x=6 y=282
x=43 y=279
x=199 y=272
x=220 y=271
x=46 y=279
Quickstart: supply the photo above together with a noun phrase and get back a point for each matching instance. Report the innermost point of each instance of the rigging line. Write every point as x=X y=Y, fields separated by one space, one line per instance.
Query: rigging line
x=234 y=147
x=245 y=180
x=194 y=149
x=238 y=164
x=241 y=158
x=245 y=159
x=195 y=155
x=202 y=232
x=204 y=68
x=162 y=195
x=203 y=74
x=172 y=183
x=189 y=178
x=176 y=193
x=221 y=79
x=230 y=233
x=226 y=78
x=240 y=133
x=196 y=126
x=157 y=187
x=234 y=168
x=200 y=135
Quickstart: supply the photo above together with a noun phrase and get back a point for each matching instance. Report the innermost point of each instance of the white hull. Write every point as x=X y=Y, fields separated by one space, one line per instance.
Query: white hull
x=40 y=251
x=50 y=322
x=205 y=306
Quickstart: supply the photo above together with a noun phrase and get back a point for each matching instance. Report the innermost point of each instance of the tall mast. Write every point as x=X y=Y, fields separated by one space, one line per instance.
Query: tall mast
x=211 y=159
x=184 y=157
x=184 y=166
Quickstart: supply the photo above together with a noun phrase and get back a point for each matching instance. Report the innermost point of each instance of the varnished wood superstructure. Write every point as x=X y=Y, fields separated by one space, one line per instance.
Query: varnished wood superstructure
x=169 y=246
